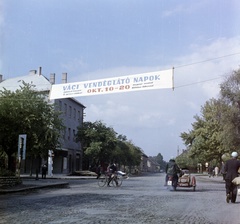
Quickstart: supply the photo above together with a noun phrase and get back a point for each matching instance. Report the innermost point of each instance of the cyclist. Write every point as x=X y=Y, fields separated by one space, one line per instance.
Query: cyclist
x=112 y=171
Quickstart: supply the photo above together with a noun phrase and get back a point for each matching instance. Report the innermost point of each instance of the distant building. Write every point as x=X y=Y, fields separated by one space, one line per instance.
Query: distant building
x=144 y=163
x=148 y=164
x=68 y=157
x=153 y=166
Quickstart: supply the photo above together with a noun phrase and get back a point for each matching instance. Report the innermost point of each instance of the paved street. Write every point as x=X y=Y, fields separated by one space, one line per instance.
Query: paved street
x=139 y=200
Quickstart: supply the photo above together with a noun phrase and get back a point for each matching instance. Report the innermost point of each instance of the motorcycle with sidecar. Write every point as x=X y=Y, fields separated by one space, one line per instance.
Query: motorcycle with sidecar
x=185 y=180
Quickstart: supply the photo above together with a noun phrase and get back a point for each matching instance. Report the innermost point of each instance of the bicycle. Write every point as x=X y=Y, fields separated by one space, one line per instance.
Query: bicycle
x=116 y=180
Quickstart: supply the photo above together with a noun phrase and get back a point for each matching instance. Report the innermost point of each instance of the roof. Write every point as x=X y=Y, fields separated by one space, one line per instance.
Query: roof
x=40 y=82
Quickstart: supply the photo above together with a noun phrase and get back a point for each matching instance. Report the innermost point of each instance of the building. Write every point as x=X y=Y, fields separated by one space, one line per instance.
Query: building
x=153 y=166
x=148 y=164
x=144 y=163
x=68 y=157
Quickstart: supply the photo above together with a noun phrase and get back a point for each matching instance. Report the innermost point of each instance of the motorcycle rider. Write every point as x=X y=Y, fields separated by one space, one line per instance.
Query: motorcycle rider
x=231 y=169
x=172 y=169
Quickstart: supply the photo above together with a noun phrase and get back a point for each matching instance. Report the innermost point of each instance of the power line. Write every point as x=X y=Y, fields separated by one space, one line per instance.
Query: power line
x=194 y=83
x=199 y=62
x=211 y=59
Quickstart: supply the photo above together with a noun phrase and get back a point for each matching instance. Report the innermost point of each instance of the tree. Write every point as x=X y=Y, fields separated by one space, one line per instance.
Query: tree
x=185 y=161
x=216 y=131
x=98 y=142
x=204 y=140
x=27 y=112
x=101 y=145
x=230 y=94
x=159 y=159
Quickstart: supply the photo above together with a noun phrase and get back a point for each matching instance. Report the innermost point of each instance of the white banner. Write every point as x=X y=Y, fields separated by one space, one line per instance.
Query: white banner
x=139 y=82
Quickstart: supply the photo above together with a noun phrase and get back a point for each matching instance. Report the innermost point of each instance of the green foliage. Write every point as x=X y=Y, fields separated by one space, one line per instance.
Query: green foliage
x=102 y=145
x=159 y=159
x=217 y=130
x=27 y=112
x=204 y=140
x=98 y=140
x=230 y=94
x=185 y=161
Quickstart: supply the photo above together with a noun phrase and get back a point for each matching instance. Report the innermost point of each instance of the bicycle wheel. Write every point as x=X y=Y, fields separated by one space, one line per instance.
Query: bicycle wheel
x=102 y=181
x=117 y=181
x=120 y=180
x=112 y=182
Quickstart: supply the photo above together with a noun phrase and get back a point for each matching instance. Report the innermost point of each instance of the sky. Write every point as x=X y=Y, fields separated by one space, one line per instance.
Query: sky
x=99 y=39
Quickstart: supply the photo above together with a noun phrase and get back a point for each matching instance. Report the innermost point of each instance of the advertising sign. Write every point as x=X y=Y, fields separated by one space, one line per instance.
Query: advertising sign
x=139 y=82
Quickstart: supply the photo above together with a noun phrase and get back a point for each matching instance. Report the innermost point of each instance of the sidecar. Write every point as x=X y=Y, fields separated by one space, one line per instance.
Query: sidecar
x=186 y=180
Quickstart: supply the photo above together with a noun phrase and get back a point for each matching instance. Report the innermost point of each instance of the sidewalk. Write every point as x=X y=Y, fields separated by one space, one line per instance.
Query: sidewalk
x=206 y=177
x=30 y=183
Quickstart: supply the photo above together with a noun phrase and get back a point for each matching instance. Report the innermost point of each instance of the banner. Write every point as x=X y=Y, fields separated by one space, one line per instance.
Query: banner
x=139 y=82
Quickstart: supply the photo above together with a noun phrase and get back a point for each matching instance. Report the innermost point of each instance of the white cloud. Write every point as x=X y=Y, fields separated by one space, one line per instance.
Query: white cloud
x=192 y=104
x=180 y=8
x=148 y=118
x=171 y=122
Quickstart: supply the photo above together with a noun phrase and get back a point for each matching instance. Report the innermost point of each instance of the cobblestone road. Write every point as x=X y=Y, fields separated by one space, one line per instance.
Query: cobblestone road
x=139 y=200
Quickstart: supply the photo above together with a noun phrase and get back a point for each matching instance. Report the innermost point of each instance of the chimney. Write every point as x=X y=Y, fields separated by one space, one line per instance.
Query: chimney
x=32 y=72
x=52 y=78
x=40 y=71
x=64 y=77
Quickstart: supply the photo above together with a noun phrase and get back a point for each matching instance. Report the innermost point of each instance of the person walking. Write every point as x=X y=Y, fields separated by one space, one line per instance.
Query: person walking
x=231 y=169
x=223 y=170
x=216 y=171
x=210 y=171
x=44 y=171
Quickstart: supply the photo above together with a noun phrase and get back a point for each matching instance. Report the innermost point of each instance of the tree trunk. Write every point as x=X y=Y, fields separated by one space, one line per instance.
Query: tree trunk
x=11 y=163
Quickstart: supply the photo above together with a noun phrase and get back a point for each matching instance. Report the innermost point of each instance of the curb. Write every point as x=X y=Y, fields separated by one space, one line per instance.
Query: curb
x=29 y=188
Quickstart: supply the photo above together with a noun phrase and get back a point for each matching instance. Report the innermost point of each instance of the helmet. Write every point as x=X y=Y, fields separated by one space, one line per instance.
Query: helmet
x=234 y=154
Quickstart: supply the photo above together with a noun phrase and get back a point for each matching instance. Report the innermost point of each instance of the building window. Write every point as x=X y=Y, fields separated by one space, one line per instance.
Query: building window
x=65 y=108
x=74 y=137
x=74 y=113
x=60 y=105
x=70 y=111
x=79 y=115
x=64 y=133
x=69 y=133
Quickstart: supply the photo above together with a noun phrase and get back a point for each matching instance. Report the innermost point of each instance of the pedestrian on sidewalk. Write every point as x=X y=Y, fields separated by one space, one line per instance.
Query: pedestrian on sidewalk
x=216 y=171
x=44 y=171
x=210 y=171
x=223 y=170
